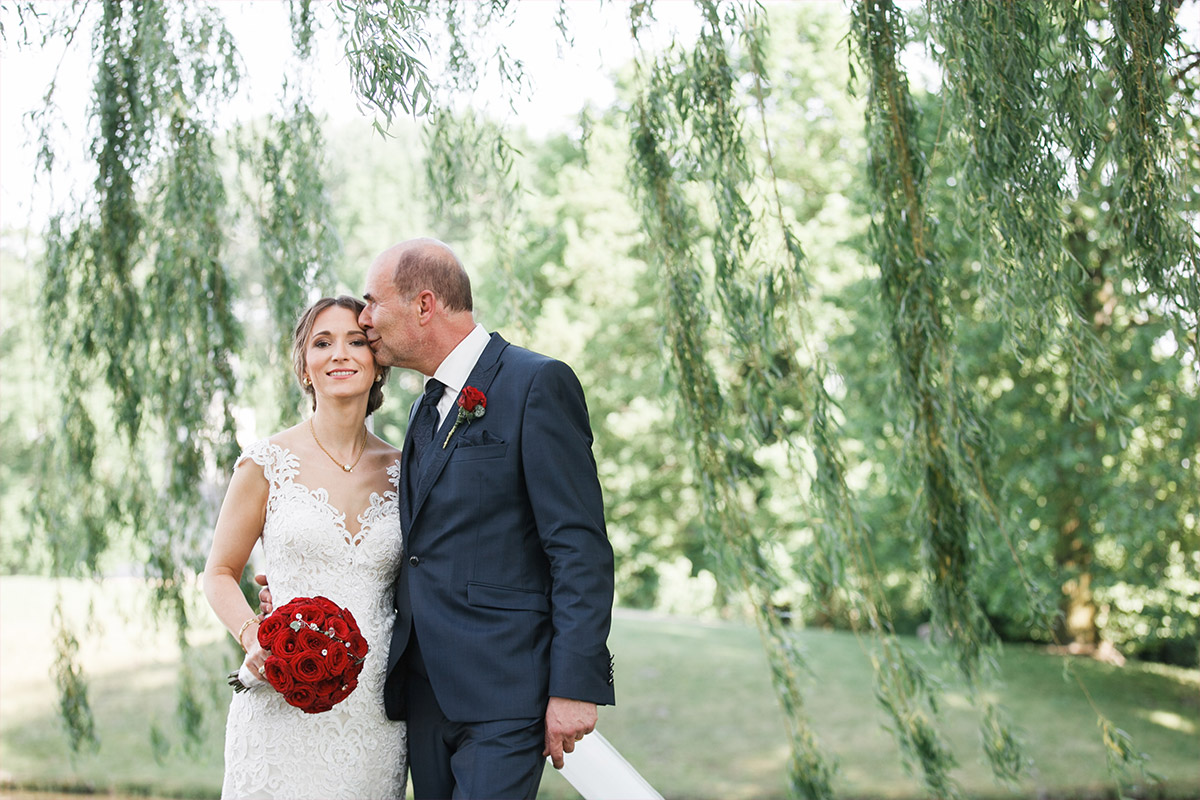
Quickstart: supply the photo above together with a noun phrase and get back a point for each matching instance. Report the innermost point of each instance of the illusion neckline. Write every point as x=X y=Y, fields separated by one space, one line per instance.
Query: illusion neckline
x=320 y=496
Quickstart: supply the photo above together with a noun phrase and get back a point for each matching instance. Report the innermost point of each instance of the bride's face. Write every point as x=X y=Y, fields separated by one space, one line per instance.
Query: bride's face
x=339 y=361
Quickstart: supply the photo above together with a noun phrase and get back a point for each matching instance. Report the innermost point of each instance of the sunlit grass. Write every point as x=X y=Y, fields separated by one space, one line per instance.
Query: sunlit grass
x=695 y=711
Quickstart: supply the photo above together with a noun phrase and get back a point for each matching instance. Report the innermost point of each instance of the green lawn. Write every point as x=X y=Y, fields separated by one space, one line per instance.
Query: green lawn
x=696 y=715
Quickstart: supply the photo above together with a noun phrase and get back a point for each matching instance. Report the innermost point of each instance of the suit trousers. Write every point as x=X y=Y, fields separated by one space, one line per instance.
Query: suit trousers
x=448 y=760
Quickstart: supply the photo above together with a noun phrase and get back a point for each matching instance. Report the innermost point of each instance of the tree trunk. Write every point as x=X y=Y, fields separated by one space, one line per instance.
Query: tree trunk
x=1076 y=624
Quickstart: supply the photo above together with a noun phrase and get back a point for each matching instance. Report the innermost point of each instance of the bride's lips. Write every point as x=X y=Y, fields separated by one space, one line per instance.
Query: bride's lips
x=342 y=373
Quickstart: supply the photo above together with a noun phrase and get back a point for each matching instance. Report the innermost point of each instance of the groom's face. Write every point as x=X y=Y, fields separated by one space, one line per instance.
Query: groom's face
x=387 y=318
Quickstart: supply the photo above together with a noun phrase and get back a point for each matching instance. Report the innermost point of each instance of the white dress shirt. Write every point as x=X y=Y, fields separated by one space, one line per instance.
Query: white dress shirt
x=456 y=368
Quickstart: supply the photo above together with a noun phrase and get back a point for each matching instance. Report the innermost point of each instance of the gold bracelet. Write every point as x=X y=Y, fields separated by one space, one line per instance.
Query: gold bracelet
x=242 y=630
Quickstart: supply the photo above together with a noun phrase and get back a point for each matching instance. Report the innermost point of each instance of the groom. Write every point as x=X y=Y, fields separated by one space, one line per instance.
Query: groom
x=504 y=598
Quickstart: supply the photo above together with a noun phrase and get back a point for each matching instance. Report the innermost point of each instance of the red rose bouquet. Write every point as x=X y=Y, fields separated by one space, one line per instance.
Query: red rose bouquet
x=316 y=653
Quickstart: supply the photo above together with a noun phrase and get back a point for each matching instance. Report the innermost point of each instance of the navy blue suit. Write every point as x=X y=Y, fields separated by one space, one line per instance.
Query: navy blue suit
x=508 y=572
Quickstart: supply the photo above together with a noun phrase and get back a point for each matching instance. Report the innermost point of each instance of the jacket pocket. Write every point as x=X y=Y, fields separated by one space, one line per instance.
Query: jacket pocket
x=489 y=596
x=478 y=451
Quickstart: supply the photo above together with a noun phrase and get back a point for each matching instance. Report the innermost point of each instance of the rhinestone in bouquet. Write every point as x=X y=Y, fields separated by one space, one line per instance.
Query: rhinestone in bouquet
x=316 y=653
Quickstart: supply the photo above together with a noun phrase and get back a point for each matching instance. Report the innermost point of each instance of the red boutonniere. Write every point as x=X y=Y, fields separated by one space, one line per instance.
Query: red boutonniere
x=471 y=405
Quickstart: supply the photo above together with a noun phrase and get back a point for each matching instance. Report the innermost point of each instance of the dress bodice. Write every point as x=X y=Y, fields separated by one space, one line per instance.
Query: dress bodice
x=309 y=548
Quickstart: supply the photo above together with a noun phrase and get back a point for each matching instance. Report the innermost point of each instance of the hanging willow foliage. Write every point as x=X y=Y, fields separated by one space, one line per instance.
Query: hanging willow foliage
x=689 y=133
x=1001 y=66
x=1163 y=246
x=718 y=448
x=687 y=143
x=284 y=170
x=384 y=44
x=1021 y=115
x=470 y=158
x=1024 y=133
x=138 y=304
x=947 y=440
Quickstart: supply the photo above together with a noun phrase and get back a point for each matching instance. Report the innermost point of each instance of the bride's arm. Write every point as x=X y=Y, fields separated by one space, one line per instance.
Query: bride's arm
x=239 y=525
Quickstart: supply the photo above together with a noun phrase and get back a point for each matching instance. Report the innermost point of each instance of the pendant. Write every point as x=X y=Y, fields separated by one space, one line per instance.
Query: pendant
x=347 y=468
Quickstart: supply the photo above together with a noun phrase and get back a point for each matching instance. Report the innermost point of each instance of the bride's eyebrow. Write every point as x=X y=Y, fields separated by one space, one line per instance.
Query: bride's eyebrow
x=351 y=332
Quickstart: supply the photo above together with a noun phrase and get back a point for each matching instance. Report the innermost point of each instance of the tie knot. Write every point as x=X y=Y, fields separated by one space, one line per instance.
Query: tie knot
x=433 y=391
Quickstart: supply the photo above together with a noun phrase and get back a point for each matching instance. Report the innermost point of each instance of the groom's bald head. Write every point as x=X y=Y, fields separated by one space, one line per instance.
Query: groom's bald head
x=420 y=264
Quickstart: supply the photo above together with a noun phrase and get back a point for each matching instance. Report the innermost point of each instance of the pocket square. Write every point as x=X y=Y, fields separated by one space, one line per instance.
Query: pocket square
x=472 y=438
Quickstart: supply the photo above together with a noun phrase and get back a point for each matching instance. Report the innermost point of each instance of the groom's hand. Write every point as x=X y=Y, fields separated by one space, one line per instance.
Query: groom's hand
x=264 y=595
x=567 y=721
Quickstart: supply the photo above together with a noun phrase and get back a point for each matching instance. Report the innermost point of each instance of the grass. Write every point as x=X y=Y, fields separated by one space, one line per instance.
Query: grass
x=695 y=711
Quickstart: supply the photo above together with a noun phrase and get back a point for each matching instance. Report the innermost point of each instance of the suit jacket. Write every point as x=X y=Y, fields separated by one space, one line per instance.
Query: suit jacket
x=508 y=572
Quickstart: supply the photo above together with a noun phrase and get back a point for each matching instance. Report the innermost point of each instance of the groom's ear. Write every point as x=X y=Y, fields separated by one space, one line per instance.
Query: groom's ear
x=427 y=303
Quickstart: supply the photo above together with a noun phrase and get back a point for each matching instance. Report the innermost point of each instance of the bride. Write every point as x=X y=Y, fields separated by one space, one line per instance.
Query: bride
x=322 y=498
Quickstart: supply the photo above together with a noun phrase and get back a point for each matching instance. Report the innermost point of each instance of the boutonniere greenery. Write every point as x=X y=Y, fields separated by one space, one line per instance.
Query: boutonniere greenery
x=471 y=405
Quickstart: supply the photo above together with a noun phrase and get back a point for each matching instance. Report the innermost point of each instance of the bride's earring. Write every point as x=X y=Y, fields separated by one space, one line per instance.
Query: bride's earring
x=378 y=378
x=306 y=381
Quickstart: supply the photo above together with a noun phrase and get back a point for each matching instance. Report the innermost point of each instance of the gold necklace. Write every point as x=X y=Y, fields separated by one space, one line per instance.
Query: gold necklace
x=345 y=467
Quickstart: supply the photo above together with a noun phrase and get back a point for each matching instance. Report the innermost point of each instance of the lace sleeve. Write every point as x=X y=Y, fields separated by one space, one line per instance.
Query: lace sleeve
x=278 y=465
x=394 y=475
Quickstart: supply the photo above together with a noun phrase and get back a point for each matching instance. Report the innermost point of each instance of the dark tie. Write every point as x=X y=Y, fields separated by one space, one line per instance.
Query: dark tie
x=425 y=421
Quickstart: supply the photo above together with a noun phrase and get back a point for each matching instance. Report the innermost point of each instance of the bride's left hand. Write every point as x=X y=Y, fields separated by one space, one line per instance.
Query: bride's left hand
x=567 y=721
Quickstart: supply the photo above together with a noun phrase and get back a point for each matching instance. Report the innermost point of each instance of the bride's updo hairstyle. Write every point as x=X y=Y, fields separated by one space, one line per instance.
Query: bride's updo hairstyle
x=304 y=327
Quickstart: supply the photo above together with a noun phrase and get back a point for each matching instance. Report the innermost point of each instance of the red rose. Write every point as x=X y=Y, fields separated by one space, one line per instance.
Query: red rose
x=318 y=706
x=278 y=674
x=326 y=605
x=268 y=629
x=337 y=659
x=311 y=641
x=284 y=643
x=358 y=645
x=300 y=696
x=339 y=626
x=471 y=398
x=310 y=667
x=316 y=653
x=311 y=612
x=289 y=610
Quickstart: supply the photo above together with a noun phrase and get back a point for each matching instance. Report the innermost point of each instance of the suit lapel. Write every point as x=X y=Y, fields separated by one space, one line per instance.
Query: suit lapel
x=436 y=457
x=406 y=464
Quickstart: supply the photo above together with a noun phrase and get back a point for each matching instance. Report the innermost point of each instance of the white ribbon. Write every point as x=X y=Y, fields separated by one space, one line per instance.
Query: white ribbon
x=249 y=677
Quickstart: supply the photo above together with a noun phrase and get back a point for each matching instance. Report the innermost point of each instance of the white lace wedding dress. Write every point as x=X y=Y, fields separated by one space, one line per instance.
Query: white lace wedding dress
x=273 y=750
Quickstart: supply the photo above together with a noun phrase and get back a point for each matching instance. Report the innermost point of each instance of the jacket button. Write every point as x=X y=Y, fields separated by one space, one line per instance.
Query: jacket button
x=414 y=560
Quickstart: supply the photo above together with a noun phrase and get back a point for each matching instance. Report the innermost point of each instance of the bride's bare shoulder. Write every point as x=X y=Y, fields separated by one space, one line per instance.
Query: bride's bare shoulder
x=380 y=448
x=288 y=438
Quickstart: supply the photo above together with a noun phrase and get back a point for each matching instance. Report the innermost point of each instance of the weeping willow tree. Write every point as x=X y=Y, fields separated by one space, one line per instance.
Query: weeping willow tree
x=694 y=176
x=1021 y=119
x=145 y=328
x=1017 y=144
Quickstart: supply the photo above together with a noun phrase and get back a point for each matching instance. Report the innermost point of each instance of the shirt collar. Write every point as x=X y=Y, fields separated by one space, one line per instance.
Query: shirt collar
x=456 y=368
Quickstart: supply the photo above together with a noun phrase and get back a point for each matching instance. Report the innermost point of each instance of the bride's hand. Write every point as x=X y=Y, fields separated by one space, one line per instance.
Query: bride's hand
x=256 y=658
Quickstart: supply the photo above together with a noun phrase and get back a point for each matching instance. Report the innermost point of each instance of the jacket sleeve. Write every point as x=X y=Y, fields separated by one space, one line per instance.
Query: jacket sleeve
x=564 y=492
